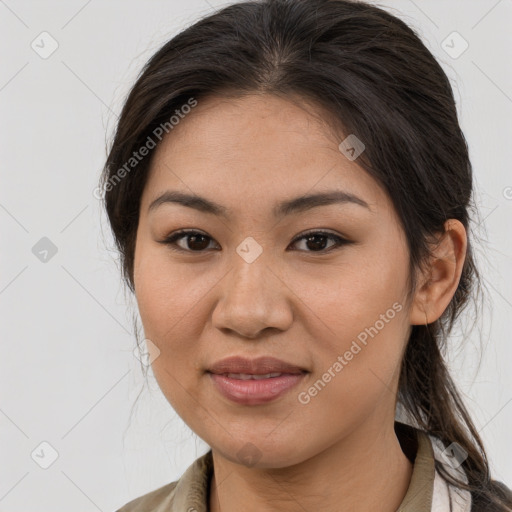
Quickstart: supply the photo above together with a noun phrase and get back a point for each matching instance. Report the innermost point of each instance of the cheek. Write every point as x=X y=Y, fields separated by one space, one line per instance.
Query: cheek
x=363 y=322
x=166 y=293
x=169 y=305
x=357 y=360
x=165 y=301
x=355 y=294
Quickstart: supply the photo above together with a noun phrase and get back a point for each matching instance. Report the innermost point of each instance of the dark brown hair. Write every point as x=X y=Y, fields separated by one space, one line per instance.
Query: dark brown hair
x=379 y=81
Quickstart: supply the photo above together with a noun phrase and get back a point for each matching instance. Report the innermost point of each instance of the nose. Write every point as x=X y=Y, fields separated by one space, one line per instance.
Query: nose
x=253 y=298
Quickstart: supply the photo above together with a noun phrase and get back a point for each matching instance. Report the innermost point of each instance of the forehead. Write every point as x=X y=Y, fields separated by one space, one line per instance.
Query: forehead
x=255 y=147
x=227 y=125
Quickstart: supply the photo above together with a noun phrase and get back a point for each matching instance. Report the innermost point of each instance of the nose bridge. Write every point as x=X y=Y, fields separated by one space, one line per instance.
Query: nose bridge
x=249 y=272
x=251 y=297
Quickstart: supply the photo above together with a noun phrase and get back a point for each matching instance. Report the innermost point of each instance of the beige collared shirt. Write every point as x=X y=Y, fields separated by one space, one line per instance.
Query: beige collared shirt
x=427 y=492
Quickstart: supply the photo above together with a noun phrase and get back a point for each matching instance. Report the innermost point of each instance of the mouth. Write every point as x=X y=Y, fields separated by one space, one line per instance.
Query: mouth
x=254 y=382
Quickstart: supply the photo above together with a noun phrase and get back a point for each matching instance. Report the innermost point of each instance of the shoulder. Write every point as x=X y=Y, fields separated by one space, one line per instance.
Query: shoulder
x=158 y=500
x=190 y=492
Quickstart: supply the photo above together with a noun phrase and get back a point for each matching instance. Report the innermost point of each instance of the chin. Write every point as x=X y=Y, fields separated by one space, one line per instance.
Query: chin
x=261 y=454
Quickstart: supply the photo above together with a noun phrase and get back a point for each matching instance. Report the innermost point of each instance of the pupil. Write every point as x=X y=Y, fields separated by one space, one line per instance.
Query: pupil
x=312 y=237
x=193 y=238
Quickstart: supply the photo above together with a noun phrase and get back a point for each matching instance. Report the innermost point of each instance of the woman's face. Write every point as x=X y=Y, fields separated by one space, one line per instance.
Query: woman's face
x=254 y=285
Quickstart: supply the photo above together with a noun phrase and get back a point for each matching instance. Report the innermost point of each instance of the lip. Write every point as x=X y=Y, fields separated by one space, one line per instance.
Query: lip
x=255 y=392
x=258 y=366
x=251 y=391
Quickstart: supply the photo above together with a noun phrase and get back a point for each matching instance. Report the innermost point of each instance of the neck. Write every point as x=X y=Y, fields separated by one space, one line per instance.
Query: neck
x=353 y=474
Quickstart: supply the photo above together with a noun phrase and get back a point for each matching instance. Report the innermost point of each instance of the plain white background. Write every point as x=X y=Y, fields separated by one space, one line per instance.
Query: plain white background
x=68 y=375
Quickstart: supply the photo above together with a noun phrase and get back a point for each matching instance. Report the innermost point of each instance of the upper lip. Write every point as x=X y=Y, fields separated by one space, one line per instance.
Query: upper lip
x=258 y=366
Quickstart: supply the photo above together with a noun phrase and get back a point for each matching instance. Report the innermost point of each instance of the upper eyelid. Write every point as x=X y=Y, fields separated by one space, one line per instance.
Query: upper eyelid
x=314 y=231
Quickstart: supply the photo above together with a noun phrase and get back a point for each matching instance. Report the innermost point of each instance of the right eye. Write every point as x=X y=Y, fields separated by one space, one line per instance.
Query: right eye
x=195 y=240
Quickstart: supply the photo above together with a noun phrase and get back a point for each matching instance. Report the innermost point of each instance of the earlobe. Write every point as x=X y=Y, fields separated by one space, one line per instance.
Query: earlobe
x=438 y=282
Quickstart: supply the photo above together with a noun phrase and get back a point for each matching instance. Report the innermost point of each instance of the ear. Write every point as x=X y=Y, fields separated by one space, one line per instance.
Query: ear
x=438 y=282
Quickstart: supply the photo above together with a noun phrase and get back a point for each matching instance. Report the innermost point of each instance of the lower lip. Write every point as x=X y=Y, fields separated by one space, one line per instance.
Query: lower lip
x=253 y=392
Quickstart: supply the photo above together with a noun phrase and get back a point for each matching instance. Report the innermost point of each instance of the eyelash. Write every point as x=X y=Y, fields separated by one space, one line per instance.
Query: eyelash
x=178 y=235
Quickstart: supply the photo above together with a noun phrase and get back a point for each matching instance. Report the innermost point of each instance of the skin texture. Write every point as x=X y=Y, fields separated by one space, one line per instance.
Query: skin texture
x=295 y=302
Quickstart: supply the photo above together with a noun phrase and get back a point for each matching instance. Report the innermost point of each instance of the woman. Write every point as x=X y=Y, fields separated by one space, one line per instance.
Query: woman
x=289 y=189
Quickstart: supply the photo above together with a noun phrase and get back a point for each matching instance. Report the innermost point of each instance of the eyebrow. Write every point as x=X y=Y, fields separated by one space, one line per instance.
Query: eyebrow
x=296 y=205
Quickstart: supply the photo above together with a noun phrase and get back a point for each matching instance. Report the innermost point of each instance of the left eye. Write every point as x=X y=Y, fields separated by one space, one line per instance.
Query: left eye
x=198 y=241
x=313 y=238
